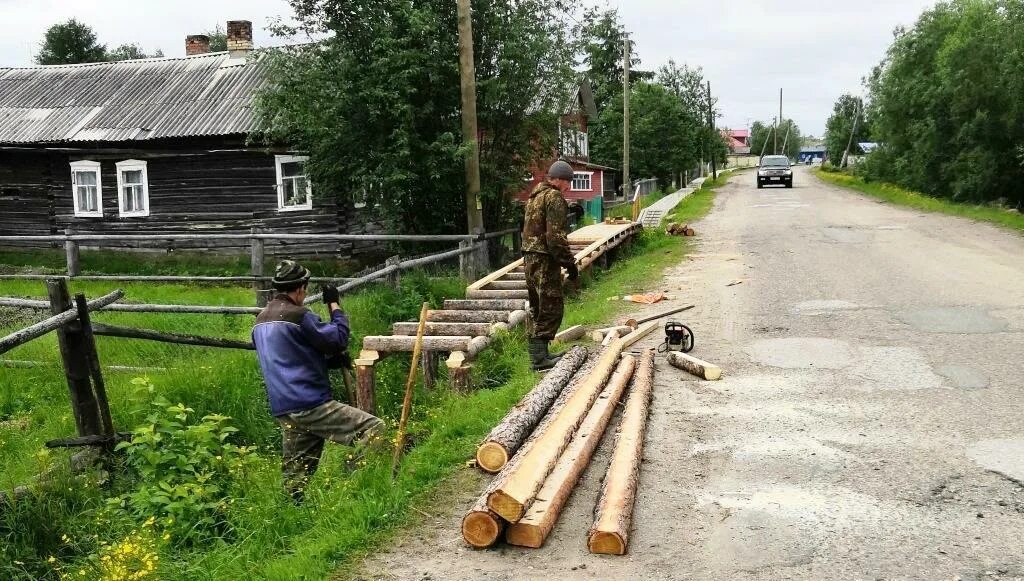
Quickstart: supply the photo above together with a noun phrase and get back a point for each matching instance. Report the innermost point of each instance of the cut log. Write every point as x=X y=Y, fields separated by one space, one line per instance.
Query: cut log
x=450 y=329
x=599 y=334
x=610 y=533
x=497 y=294
x=467 y=316
x=518 y=490
x=694 y=366
x=517 y=318
x=510 y=433
x=506 y=285
x=485 y=305
x=405 y=343
x=514 y=276
x=571 y=334
x=481 y=526
x=641 y=332
x=461 y=378
x=366 y=387
x=473 y=348
x=543 y=513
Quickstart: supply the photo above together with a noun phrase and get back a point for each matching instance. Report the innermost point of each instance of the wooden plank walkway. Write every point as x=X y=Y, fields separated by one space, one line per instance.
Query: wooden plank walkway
x=465 y=327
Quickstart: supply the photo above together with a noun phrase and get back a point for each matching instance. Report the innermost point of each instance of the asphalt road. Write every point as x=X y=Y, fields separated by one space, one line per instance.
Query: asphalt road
x=870 y=424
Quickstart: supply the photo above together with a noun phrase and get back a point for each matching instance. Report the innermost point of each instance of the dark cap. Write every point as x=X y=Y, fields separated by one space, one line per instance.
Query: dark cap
x=289 y=272
x=560 y=170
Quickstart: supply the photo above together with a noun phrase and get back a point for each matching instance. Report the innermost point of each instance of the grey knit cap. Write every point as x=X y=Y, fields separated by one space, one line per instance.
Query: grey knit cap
x=560 y=170
x=289 y=271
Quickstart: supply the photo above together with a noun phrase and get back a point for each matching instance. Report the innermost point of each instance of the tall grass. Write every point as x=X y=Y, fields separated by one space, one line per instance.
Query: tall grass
x=345 y=515
x=901 y=197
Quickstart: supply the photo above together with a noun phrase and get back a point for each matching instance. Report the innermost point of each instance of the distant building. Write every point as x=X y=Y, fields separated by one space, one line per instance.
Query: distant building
x=812 y=154
x=737 y=140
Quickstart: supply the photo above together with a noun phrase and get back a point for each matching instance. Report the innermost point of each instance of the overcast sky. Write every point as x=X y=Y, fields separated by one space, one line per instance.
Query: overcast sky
x=813 y=50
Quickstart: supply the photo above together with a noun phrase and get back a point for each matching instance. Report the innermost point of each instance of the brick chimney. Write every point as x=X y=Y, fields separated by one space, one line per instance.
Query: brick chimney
x=197 y=44
x=239 y=38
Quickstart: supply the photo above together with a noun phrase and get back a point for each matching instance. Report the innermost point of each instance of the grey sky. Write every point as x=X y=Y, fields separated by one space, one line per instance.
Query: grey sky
x=814 y=50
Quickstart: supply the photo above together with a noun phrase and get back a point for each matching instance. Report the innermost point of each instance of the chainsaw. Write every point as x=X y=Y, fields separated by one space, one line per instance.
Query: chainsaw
x=678 y=337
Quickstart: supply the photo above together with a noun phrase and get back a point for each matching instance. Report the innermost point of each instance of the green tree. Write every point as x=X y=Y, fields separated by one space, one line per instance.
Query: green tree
x=839 y=126
x=218 y=39
x=70 y=42
x=131 y=51
x=602 y=37
x=763 y=139
x=377 y=103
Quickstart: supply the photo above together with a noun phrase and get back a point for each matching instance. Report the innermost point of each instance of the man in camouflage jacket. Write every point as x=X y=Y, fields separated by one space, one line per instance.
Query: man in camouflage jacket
x=545 y=252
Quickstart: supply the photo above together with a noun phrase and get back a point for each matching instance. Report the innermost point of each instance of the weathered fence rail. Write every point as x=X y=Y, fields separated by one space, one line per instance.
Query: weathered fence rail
x=53 y=323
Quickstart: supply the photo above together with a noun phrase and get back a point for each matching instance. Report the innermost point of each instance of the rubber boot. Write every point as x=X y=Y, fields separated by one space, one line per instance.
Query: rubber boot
x=539 y=357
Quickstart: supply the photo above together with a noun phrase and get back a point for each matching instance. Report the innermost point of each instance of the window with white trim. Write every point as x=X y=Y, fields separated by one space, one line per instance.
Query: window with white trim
x=86 y=188
x=132 y=188
x=294 y=191
x=581 y=181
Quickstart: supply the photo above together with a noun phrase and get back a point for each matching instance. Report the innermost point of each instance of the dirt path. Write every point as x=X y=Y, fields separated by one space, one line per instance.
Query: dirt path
x=869 y=426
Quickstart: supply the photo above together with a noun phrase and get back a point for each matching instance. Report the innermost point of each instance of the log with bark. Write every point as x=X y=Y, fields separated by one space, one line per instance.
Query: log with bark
x=481 y=526
x=614 y=514
x=694 y=366
x=449 y=329
x=497 y=294
x=393 y=343
x=485 y=305
x=467 y=316
x=506 y=285
x=543 y=513
x=510 y=433
x=512 y=496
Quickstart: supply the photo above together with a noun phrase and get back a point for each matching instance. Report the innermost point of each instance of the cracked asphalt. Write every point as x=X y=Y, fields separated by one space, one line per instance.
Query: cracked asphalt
x=869 y=425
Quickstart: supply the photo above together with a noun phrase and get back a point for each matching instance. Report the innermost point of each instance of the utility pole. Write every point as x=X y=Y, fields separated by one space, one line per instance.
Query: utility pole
x=778 y=124
x=846 y=154
x=711 y=126
x=626 y=186
x=467 y=75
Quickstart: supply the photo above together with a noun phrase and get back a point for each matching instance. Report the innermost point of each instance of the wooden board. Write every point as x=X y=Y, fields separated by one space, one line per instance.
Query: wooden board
x=596 y=232
x=495 y=275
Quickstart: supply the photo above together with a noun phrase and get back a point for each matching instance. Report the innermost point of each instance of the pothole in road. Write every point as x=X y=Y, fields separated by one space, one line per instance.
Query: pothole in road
x=1004 y=457
x=802 y=353
x=966 y=320
x=963 y=377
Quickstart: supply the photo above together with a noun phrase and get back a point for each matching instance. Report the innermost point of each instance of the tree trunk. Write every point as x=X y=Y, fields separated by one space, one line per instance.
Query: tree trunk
x=511 y=498
x=466 y=316
x=543 y=513
x=485 y=305
x=481 y=526
x=510 y=433
x=392 y=343
x=692 y=365
x=448 y=329
x=610 y=533
x=461 y=378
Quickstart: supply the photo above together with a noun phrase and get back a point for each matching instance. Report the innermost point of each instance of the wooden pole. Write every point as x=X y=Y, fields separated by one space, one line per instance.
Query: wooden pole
x=43 y=327
x=778 y=124
x=505 y=439
x=73 y=352
x=163 y=337
x=543 y=513
x=256 y=259
x=853 y=131
x=711 y=127
x=610 y=533
x=71 y=254
x=467 y=78
x=410 y=383
x=655 y=316
x=627 y=187
x=93 y=358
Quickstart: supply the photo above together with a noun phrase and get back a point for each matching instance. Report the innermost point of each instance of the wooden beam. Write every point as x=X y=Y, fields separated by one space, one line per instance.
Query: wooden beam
x=471 y=329
x=571 y=334
x=367 y=357
x=610 y=533
x=485 y=304
x=505 y=439
x=506 y=285
x=497 y=294
x=467 y=316
x=543 y=513
x=512 y=496
x=394 y=343
x=495 y=275
x=694 y=366
x=639 y=333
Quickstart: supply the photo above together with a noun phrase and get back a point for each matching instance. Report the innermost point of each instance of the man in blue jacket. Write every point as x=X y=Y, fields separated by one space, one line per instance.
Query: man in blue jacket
x=295 y=349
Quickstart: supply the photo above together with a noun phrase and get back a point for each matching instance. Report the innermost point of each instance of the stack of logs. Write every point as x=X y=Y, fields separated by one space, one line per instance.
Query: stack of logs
x=543 y=445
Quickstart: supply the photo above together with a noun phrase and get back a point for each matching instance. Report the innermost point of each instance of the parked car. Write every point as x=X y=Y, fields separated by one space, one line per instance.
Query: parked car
x=774 y=170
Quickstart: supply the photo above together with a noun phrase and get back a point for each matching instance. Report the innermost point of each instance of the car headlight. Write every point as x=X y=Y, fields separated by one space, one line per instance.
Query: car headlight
x=789 y=172
x=762 y=173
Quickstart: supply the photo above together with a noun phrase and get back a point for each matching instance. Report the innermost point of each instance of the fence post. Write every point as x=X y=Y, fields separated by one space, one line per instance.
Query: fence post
x=71 y=253
x=93 y=358
x=394 y=278
x=483 y=257
x=263 y=297
x=466 y=261
x=256 y=260
x=73 y=351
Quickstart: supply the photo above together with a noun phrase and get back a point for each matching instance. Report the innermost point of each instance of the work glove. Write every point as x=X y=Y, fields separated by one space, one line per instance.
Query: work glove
x=573 y=271
x=331 y=294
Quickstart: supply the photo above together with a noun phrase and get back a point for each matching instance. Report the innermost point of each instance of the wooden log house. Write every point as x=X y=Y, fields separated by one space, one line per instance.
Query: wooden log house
x=158 y=146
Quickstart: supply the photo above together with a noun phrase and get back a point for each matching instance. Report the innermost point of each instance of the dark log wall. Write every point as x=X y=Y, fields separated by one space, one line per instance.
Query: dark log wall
x=195 y=188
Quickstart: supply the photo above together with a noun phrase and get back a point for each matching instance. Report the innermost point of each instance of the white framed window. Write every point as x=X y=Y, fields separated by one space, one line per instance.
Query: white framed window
x=294 y=191
x=87 y=188
x=132 y=188
x=581 y=181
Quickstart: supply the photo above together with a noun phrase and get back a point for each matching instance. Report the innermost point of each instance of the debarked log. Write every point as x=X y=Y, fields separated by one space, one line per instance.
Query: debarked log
x=449 y=329
x=694 y=366
x=485 y=304
x=505 y=439
x=467 y=316
x=393 y=343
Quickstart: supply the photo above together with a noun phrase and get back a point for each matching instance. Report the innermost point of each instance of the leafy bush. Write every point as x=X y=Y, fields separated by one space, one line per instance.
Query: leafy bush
x=186 y=471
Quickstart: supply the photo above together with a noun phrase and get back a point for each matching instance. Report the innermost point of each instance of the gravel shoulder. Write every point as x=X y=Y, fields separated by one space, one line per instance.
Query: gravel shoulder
x=868 y=425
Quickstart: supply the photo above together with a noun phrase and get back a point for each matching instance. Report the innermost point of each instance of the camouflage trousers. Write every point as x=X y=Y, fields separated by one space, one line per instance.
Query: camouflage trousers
x=304 y=433
x=544 y=283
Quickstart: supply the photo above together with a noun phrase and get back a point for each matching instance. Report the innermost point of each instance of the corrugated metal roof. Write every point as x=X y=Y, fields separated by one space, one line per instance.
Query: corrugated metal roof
x=209 y=94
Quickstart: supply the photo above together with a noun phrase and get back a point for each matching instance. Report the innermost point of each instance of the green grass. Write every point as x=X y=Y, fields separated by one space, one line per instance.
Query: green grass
x=901 y=197
x=625 y=209
x=345 y=515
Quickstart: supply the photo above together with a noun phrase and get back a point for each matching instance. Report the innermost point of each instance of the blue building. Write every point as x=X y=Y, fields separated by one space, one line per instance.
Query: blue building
x=813 y=154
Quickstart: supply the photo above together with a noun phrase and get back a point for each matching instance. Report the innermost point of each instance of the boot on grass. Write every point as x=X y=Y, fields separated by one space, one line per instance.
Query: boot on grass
x=539 y=356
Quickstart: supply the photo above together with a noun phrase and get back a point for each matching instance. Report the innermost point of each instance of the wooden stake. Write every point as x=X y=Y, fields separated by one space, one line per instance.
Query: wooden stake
x=692 y=365
x=641 y=332
x=410 y=382
x=610 y=533
x=519 y=489
x=543 y=513
x=506 y=438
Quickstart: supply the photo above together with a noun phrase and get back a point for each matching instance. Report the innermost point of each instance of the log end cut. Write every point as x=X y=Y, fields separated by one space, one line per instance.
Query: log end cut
x=507 y=507
x=491 y=456
x=604 y=543
x=525 y=535
x=481 y=529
